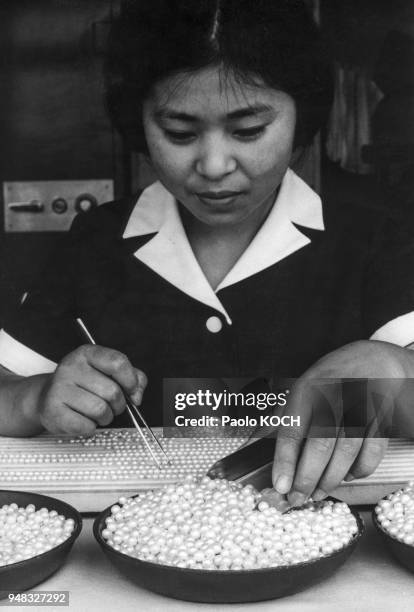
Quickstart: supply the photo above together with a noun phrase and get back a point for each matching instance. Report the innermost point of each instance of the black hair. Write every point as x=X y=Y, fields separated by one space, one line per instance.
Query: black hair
x=272 y=41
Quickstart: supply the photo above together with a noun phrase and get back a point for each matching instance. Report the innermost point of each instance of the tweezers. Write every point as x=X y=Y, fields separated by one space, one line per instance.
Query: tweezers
x=250 y=463
x=133 y=411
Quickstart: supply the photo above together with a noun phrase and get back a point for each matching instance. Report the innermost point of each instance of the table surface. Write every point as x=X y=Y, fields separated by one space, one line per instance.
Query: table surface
x=369 y=581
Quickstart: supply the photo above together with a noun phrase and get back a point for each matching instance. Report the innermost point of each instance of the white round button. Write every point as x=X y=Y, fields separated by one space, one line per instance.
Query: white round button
x=214 y=324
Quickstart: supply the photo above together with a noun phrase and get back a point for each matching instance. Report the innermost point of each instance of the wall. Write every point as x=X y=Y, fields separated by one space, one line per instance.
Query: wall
x=53 y=123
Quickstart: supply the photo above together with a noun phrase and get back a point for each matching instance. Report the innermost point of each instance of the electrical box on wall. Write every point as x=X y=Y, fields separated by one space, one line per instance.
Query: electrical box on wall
x=50 y=206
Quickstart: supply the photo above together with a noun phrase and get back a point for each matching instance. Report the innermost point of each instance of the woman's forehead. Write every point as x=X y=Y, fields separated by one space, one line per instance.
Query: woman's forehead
x=214 y=91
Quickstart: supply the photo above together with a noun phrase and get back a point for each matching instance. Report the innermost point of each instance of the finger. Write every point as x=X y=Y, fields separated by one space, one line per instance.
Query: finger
x=77 y=424
x=343 y=456
x=142 y=383
x=63 y=420
x=102 y=387
x=287 y=450
x=290 y=439
x=275 y=499
x=369 y=457
x=91 y=405
x=83 y=402
x=117 y=366
x=313 y=460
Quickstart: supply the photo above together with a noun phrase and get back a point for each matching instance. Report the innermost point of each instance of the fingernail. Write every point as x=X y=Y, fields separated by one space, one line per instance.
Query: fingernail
x=297 y=499
x=349 y=477
x=282 y=506
x=267 y=491
x=137 y=398
x=270 y=495
x=275 y=499
x=319 y=495
x=283 y=484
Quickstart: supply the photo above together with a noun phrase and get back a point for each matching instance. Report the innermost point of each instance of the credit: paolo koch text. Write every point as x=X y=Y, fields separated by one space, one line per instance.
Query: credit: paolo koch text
x=240 y=407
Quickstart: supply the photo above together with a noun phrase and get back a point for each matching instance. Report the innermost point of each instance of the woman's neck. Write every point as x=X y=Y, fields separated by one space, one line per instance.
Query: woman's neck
x=217 y=248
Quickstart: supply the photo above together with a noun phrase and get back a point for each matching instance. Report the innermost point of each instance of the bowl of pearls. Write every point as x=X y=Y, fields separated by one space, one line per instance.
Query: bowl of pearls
x=214 y=541
x=393 y=517
x=36 y=534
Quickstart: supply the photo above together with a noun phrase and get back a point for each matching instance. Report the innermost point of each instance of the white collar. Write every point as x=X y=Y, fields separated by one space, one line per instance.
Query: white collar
x=170 y=255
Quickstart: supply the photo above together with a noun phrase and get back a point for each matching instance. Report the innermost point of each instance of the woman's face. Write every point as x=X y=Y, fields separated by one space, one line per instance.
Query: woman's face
x=220 y=148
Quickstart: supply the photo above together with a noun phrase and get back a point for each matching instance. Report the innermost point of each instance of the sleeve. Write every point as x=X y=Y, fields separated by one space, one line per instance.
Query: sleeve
x=42 y=328
x=388 y=292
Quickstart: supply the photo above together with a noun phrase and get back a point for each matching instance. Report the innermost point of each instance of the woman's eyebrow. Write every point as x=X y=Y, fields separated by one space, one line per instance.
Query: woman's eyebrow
x=169 y=113
x=239 y=113
x=248 y=111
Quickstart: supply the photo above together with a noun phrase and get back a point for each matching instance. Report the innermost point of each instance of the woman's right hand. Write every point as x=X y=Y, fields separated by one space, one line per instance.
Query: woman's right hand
x=86 y=390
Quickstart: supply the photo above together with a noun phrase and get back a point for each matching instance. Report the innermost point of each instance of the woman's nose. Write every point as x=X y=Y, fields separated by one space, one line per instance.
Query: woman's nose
x=215 y=158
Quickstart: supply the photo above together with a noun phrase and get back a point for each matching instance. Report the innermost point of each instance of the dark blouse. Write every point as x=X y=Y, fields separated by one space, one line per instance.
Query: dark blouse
x=348 y=282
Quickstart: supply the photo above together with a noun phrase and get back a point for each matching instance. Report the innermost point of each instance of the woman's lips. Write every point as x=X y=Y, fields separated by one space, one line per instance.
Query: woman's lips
x=218 y=197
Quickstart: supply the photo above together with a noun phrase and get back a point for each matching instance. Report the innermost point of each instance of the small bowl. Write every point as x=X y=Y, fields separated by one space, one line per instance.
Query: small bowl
x=404 y=553
x=26 y=574
x=224 y=586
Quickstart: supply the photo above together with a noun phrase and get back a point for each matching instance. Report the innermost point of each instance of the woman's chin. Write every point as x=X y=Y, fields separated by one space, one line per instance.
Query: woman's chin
x=220 y=218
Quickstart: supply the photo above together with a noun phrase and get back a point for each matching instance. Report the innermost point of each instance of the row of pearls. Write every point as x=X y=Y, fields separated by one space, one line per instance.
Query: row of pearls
x=112 y=455
x=395 y=514
x=27 y=532
x=217 y=524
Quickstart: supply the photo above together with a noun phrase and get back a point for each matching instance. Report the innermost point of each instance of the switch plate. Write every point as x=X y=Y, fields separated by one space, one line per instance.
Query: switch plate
x=45 y=192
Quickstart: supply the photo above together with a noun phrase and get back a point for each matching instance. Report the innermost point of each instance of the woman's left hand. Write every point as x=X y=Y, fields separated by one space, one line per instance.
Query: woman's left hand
x=312 y=467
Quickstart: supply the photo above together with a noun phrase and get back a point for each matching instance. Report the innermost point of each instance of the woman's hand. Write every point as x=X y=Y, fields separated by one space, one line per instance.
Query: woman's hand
x=310 y=466
x=86 y=390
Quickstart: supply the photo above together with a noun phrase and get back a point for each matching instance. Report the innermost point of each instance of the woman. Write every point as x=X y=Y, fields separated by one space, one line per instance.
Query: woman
x=226 y=266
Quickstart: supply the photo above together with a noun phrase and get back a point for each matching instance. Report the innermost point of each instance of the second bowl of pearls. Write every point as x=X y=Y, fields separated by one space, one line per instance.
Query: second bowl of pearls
x=393 y=517
x=36 y=535
x=215 y=541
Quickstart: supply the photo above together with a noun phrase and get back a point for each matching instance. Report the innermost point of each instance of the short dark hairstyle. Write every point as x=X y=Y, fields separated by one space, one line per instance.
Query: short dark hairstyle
x=275 y=40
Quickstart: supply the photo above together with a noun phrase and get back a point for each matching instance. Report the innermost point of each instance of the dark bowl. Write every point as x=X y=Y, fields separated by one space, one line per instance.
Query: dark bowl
x=26 y=574
x=224 y=586
x=404 y=553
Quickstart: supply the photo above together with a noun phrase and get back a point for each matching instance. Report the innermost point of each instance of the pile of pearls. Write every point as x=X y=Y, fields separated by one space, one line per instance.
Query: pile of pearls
x=220 y=525
x=395 y=514
x=27 y=532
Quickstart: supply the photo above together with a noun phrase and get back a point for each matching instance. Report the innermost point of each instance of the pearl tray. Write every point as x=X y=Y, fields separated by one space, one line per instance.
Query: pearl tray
x=91 y=473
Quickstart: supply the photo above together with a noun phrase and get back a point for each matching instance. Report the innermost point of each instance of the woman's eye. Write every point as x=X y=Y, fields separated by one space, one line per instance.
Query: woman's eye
x=250 y=133
x=180 y=137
